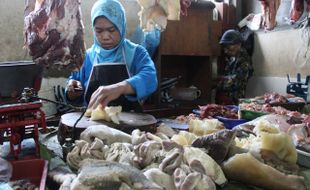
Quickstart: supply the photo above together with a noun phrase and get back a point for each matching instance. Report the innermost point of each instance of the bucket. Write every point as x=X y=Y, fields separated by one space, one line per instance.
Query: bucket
x=15 y=76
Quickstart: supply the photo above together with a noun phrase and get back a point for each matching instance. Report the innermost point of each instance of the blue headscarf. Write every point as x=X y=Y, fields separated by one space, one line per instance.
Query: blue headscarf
x=115 y=13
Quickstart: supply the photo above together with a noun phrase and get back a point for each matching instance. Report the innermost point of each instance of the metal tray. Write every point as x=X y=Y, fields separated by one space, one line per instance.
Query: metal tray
x=174 y=124
x=303 y=158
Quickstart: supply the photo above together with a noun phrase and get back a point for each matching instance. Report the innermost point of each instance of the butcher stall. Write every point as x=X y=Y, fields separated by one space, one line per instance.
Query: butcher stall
x=262 y=143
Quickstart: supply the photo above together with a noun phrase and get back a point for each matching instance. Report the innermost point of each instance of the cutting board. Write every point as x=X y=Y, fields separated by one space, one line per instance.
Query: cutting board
x=129 y=121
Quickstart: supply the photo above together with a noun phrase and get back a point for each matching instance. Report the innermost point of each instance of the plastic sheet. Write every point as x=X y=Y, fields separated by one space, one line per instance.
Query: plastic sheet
x=5 y=171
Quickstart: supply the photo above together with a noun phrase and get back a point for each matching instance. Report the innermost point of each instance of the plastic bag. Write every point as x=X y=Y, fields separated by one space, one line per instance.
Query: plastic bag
x=283 y=13
x=149 y=40
x=5 y=186
x=5 y=171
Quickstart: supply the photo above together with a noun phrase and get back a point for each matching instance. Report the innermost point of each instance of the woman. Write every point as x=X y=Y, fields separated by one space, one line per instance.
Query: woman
x=110 y=45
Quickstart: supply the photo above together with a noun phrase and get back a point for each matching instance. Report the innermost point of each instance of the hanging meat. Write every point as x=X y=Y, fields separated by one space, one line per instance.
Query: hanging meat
x=269 y=11
x=185 y=4
x=308 y=5
x=297 y=9
x=53 y=33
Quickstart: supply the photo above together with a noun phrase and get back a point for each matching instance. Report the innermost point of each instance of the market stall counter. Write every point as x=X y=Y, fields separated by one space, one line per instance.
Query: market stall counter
x=205 y=152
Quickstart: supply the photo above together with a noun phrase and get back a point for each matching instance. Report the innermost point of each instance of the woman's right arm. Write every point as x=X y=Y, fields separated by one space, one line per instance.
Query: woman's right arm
x=75 y=87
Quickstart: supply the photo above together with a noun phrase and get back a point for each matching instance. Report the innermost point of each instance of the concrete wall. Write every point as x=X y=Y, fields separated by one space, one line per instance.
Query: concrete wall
x=277 y=53
x=281 y=52
x=251 y=6
x=11 y=30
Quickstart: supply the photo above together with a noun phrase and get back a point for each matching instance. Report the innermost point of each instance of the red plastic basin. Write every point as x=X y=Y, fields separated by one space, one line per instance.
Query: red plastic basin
x=34 y=170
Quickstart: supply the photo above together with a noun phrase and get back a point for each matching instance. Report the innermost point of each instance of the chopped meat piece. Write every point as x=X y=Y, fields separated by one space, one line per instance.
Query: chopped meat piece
x=101 y=174
x=217 y=145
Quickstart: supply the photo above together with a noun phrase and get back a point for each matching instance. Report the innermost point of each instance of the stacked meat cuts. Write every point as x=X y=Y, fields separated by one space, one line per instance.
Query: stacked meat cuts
x=53 y=32
x=213 y=110
x=274 y=98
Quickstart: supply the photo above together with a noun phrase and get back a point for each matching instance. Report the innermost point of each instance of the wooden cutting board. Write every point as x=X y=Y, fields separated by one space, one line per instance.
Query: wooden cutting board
x=129 y=121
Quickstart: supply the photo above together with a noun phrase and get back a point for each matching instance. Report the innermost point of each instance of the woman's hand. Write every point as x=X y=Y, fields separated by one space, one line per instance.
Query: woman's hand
x=74 y=89
x=105 y=94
